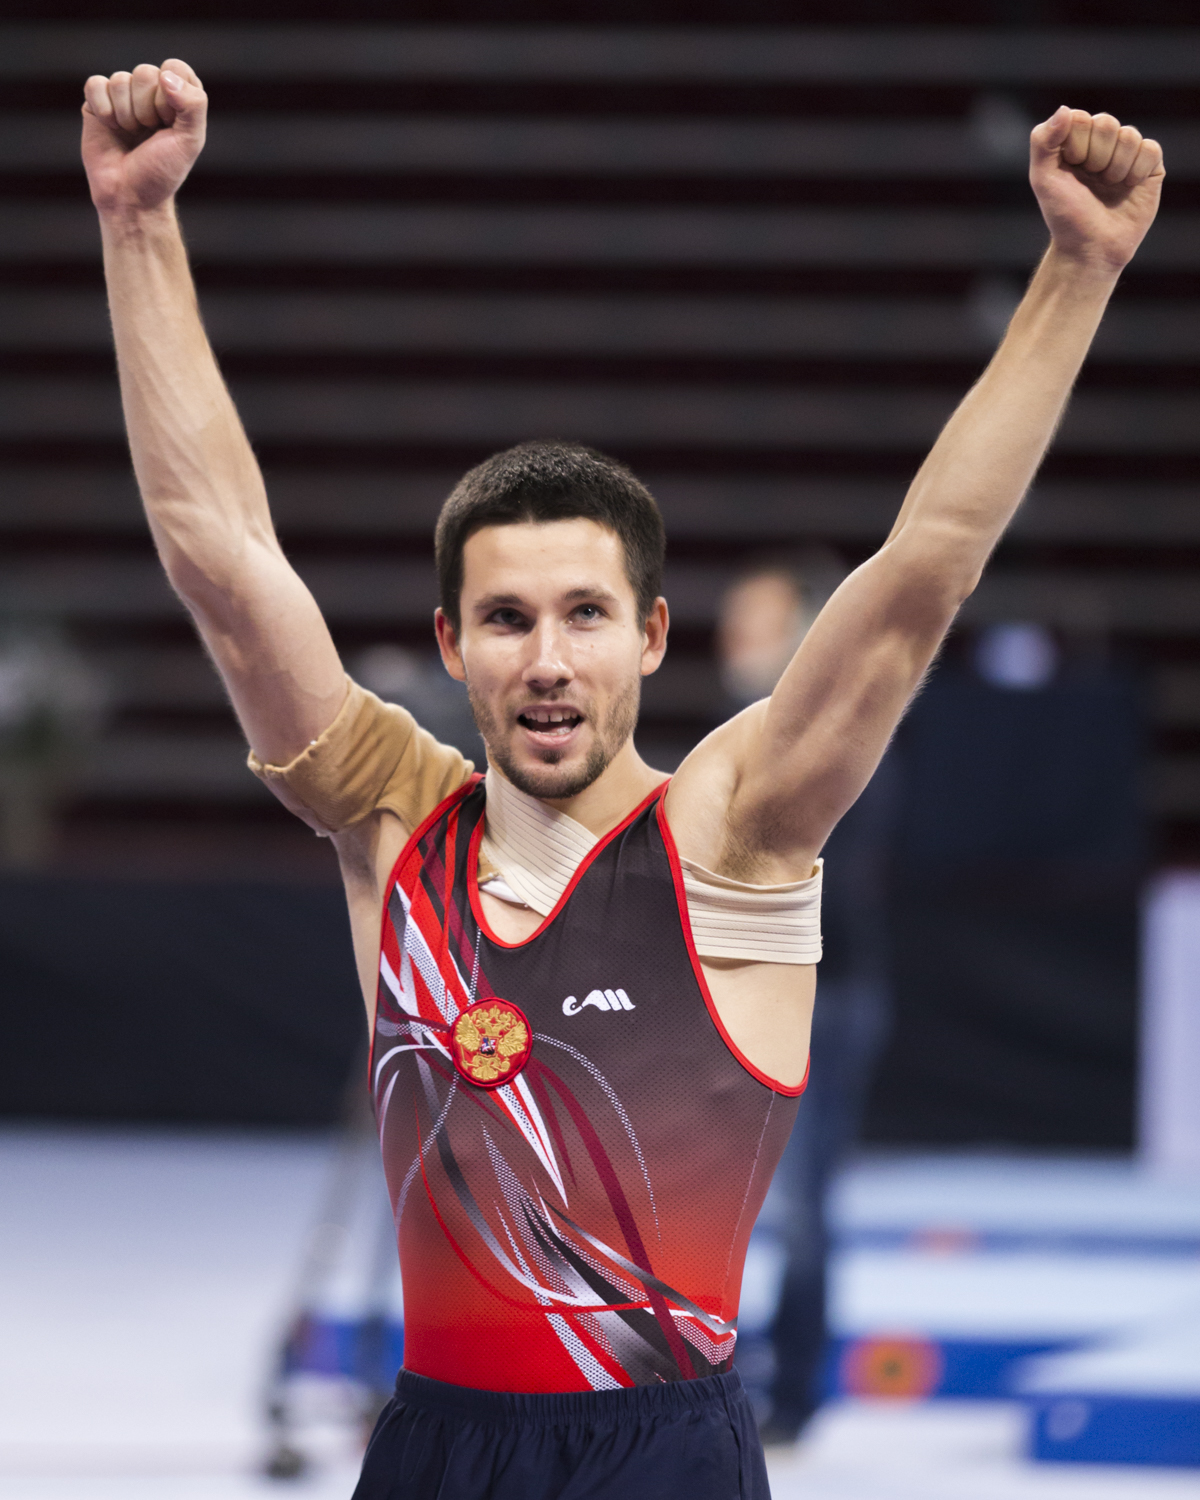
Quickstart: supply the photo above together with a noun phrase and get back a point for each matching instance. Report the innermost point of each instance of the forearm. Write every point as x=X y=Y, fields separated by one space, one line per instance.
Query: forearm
x=975 y=477
x=204 y=495
x=199 y=480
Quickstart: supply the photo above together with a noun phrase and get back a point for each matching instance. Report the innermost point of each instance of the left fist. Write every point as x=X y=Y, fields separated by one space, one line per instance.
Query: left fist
x=1098 y=184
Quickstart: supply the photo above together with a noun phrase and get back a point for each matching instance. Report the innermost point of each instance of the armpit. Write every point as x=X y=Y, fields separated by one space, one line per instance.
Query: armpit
x=373 y=756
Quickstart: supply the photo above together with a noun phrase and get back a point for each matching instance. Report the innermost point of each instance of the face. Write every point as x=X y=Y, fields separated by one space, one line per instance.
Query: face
x=760 y=626
x=552 y=650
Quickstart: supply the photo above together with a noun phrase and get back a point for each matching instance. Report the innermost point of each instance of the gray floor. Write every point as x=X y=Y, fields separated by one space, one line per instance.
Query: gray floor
x=143 y=1277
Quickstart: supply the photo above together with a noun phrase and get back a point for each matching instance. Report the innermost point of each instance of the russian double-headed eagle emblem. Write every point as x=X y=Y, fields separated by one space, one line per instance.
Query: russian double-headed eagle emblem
x=491 y=1043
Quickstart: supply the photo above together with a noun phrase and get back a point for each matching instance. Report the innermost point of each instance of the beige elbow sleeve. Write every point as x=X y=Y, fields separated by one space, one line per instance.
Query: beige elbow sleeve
x=373 y=756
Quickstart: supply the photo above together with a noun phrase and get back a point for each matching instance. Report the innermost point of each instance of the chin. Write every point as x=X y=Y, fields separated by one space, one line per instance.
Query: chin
x=553 y=780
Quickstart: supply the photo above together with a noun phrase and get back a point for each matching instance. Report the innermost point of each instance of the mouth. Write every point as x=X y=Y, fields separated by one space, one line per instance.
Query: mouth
x=550 y=725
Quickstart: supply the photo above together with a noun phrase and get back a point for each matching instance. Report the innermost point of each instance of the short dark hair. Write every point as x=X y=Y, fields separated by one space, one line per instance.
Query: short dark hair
x=552 y=482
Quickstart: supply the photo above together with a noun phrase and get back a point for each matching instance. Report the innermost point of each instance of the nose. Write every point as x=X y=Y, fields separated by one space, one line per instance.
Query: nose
x=549 y=665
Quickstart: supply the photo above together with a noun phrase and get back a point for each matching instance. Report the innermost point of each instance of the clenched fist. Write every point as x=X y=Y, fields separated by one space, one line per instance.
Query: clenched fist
x=142 y=132
x=1098 y=183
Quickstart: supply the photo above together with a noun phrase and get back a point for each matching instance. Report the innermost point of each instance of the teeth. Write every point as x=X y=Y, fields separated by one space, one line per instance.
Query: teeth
x=548 y=716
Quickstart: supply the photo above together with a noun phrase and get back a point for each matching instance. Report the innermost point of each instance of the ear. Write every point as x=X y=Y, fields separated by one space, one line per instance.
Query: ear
x=654 y=637
x=448 y=645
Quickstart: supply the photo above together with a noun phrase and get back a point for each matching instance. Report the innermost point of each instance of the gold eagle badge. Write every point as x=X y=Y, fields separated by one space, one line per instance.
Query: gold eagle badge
x=491 y=1042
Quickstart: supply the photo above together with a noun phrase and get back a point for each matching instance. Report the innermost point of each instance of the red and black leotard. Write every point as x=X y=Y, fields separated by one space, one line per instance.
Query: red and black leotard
x=584 y=1225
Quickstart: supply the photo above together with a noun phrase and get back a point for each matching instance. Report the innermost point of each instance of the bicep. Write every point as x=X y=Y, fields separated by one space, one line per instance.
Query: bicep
x=819 y=738
x=273 y=649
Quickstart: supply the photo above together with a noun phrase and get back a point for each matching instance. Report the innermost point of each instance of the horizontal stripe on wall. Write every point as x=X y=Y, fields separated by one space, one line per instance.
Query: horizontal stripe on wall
x=658 y=326
x=54 y=502
x=935 y=54
x=331 y=95
x=1083 y=600
x=1140 y=282
x=239 y=142
x=647 y=370
x=742 y=417
x=145 y=765
x=349 y=234
x=699 y=459
x=730 y=236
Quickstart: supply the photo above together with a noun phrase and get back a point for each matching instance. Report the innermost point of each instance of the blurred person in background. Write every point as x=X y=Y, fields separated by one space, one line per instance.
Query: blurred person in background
x=664 y=1085
x=52 y=707
x=764 y=615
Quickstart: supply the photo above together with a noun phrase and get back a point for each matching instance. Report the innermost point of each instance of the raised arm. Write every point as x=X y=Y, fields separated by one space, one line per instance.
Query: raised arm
x=202 y=489
x=773 y=782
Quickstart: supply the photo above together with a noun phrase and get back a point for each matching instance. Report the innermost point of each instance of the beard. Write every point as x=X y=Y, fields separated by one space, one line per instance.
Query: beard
x=552 y=781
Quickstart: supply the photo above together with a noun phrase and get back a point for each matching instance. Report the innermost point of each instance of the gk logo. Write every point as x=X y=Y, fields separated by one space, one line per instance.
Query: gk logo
x=601 y=999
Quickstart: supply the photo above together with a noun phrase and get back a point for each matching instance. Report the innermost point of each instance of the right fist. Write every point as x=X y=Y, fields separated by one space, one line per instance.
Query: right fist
x=142 y=132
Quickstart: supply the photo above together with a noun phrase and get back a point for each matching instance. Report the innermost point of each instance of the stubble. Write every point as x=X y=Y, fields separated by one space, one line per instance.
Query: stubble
x=550 y=780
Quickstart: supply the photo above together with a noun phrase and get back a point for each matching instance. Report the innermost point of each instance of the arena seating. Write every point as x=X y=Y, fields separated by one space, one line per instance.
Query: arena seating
x=759 y=265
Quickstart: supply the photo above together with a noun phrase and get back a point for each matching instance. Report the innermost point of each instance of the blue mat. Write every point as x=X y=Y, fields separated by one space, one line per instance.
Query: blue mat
x=1109 y=1429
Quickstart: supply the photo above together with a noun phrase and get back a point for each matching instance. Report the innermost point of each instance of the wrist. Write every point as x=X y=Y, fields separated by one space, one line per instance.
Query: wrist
x=129 y=221
x=1086 y=266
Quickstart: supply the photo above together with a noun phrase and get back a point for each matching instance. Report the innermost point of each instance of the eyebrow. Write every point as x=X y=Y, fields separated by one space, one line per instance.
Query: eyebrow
x=594 y=591
x=572 y=596
x=494 y=601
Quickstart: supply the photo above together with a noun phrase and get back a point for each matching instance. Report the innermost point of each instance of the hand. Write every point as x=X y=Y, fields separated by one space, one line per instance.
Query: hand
x=1097 y=183
x=142 y=132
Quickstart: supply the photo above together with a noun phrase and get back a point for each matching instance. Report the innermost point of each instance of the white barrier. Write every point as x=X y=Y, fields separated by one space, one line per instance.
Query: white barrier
x=1169 y=1085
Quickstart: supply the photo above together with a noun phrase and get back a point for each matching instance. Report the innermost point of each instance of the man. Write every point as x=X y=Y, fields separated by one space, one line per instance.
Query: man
x=591 y=1002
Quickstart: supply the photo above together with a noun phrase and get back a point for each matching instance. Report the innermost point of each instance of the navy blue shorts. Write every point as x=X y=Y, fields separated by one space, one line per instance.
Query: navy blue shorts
x=694 y=1439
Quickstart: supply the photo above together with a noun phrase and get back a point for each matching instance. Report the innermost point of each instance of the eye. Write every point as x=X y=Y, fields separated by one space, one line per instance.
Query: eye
x=589 y=613
x=508 y=618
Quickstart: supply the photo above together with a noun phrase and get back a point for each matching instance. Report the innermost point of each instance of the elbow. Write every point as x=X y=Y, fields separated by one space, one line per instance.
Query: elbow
x=935 y=595
x=208 y=567
x=208 y=580
x=960 y=588
x=945 y=598
x=943 y=569
x=205 y=593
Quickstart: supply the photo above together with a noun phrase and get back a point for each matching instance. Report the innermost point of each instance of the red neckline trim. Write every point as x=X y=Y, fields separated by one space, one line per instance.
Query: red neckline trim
x=473 y=865
x=698 y=970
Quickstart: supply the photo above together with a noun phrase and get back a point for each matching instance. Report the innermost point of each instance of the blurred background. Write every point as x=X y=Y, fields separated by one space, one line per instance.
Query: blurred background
x=759 y=253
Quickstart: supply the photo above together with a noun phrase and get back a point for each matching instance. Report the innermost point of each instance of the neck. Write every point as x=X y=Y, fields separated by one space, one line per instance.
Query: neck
x=624 y=782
